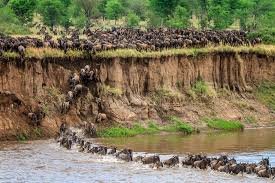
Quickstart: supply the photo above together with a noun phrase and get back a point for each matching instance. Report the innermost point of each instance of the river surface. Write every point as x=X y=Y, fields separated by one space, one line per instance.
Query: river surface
x=45 y=161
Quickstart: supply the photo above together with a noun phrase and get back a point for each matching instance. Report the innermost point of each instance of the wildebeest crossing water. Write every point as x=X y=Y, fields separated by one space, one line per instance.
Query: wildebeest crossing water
x=45 y=160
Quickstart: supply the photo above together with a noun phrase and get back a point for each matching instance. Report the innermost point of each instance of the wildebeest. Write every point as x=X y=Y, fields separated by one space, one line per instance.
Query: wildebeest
x=64 y=107
x=125 y=154
x=150 y=160
x=172 y=161
x=121 y=38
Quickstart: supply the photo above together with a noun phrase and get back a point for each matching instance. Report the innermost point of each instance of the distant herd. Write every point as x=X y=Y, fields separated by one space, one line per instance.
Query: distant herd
x=68 y=138
x=122 y=38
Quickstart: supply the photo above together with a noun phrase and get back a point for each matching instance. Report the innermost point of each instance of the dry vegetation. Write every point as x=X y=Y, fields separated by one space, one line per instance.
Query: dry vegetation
x=268 y=50
x=40 y=53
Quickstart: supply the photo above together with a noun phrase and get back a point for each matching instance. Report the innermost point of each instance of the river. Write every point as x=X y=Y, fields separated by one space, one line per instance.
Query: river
x=45 y=161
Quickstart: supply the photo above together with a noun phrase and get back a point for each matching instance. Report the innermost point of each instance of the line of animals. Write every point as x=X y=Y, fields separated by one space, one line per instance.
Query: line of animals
x=68 y=138
x=119 y=38
x=79 y=85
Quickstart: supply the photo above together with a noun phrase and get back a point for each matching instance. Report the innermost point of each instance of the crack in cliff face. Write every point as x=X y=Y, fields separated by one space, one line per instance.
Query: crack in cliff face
x=137 y=79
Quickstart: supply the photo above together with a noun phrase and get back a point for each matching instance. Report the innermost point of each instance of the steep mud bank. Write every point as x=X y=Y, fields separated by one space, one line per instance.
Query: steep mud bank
x=136 y=89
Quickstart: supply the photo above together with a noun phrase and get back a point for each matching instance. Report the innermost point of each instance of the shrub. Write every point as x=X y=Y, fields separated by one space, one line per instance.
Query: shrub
x=128 y=132
x=221 y=124
x=179 y=19
x=152 y=128
x=22 y=137
x=200 y=88
x=132 y=20
x=178 y=126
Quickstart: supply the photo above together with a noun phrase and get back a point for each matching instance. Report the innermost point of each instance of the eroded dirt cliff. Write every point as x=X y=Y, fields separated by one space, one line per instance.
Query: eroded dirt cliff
x=135 y=89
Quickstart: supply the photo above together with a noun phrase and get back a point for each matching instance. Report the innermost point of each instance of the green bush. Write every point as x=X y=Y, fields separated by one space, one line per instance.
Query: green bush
x=201 y=89
x=179 y=19
x=132 y=20
x=178 y=126
x=267 y=35
x=21 y=137
x=221 y=124
x=24 y=9
x=128 y=132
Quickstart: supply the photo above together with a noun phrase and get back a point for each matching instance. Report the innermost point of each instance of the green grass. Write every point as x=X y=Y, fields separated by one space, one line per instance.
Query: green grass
x=21 y=137
x=10 y=54
x=128 y=132
x=221 y=124
x=201 y=89
x=176 y=125
x=266 y=94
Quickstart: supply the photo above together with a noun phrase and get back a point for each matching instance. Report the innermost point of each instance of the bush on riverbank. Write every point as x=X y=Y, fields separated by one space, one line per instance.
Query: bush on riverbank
x=176 y=125
x=221 y=124
x=128 y=132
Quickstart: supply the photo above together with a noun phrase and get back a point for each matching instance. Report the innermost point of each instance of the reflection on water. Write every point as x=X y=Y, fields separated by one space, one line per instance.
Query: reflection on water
x=45 y=161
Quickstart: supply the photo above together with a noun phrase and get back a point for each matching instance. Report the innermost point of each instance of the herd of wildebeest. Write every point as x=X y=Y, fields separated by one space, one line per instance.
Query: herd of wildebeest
x=122 y=38
x=79 y=86
x=149 y=40
x=67 y=139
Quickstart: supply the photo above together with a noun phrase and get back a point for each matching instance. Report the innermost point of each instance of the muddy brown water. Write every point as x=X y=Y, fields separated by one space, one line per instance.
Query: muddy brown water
x=45 y=161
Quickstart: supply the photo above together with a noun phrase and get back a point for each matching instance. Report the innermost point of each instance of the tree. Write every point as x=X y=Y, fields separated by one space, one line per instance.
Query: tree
x=76 y=15
x=253 y=13
x=163 y=8
x=113 y=9
x=24 y=9
x=3 y=3
x=139 y=7
x=203 y=9
x=101 y=7
x=9 y=23
x=88 y=7
x=132 y=20
x=179 y=19
x=66 y=3
x=66 y=14
x=221 y=13
x=52 y=12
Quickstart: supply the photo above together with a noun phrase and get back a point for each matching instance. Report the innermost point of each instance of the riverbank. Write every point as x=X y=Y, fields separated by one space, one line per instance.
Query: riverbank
x=232 y=84
x=174 y=124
